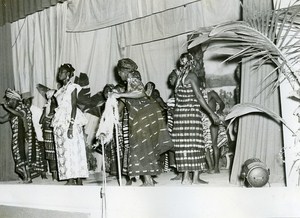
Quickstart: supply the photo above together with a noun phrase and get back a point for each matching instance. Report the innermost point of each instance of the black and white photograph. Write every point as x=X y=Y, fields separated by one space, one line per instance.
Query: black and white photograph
x=149 y=108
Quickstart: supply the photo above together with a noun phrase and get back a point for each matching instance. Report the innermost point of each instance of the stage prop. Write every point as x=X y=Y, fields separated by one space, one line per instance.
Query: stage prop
x=255 y=173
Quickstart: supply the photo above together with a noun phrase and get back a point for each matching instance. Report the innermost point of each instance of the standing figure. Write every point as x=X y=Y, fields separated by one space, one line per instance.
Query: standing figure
x=27 y=159
x=67 y=123
x=45 y=121
x=217 y=136
x=148 y=134
x=187 y=132
x=37 y=145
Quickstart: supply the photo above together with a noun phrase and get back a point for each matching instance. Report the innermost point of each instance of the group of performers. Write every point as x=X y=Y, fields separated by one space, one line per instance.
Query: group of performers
x=182 y=132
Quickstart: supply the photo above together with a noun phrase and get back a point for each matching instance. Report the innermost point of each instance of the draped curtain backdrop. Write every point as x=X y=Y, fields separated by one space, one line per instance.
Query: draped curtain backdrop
x=258 y=136
x=93 y=35
x=7 y=80
x=13 y=10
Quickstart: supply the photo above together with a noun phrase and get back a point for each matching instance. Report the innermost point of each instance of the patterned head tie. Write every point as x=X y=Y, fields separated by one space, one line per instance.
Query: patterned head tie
x=127 y=63
x=12 y=94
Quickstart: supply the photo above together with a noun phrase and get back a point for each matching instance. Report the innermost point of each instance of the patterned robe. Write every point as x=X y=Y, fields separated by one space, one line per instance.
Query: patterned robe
x=70 y=153
x=148 y=133
x=22 y=141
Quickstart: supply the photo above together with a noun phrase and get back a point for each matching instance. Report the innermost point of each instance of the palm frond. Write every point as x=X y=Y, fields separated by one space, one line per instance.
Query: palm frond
x=270 y=37
x=239 y=110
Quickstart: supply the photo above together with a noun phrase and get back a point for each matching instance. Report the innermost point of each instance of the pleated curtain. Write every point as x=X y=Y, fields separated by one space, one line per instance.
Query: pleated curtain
x=7 y=80
x=13 y=10
x=258 y=135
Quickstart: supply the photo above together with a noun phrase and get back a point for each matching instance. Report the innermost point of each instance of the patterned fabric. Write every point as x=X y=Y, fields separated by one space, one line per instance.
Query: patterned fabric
x=148 y=134
x=125 y=146
x=206 y=125
x=187 y=133
x=18 y=141
x=48 y=139
x=70 y=153
x=171 y=105
x=222 y=137
x=36 y=150
x=22 y=141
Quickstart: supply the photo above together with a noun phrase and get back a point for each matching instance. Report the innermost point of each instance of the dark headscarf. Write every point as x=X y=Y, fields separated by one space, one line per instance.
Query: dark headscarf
x=127 y=63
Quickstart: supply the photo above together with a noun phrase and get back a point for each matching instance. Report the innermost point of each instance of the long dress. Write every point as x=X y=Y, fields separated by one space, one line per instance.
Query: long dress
x=70 y=153
x=148 y=134
x=49 y=137
x=187 y=133
x=21 y=141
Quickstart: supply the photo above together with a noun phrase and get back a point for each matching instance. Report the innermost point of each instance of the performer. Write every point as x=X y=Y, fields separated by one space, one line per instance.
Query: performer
x=148 y=134
x=45 y=121
x=187 y=130
x=68 y=122
x=27 y=156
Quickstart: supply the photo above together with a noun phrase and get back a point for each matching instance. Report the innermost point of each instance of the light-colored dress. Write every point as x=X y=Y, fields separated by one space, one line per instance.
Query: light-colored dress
x=71 y=153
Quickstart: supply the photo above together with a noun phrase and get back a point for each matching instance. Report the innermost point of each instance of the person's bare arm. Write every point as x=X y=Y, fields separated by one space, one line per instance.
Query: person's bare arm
x=14 y=112
x=73 y=113
x=219 y=101
x=193 y=80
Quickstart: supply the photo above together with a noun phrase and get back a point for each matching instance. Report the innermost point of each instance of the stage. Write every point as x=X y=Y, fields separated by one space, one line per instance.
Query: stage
x=168 y=198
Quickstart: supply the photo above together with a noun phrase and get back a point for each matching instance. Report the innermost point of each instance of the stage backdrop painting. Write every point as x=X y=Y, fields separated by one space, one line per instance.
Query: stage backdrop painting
x=221 y=77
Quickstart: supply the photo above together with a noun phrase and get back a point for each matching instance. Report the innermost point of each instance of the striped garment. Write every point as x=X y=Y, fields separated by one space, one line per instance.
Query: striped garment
x=206 y=125
x=25 y=147
x=148 y=137
x=187 y=134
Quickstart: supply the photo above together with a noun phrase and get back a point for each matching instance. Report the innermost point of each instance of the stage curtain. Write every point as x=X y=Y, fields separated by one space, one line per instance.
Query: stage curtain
x=146 y=21
x=13 y=10
x=41 y=43
x=7 y=80
x=258 y=136
x=96 y=14
x=37 y=45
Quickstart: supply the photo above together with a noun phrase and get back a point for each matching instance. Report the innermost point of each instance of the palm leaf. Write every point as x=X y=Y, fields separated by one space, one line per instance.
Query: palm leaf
x=239 y=110
x=269 y=37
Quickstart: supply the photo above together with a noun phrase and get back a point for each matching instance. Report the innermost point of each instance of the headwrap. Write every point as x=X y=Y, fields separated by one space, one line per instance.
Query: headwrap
x=127 y=63
x=26 y=95
x=12 y=94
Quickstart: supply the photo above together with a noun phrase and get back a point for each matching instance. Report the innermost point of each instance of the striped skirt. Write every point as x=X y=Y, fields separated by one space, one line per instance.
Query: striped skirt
x=187 y=136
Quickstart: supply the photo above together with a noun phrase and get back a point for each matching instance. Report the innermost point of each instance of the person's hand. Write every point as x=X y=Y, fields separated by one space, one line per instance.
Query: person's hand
x=113 y=95
x=70 y=132
x=216 y=119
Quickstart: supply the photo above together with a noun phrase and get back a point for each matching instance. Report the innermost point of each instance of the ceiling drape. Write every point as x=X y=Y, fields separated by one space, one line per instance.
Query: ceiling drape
x=97 y=14
x=13 y=10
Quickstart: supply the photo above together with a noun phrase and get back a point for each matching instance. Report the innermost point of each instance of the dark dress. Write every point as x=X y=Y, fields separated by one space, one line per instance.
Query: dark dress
x=34 y=159
x=148 y=134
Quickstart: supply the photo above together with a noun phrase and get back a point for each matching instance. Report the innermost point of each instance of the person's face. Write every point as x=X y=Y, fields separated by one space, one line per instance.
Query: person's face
x=28 y=102
x=123 y=73
x=183 y=60
x=63 y=74
x=12 y=103
x=172 y=79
